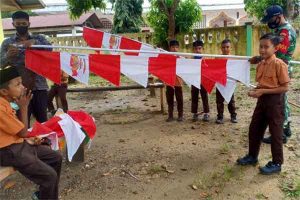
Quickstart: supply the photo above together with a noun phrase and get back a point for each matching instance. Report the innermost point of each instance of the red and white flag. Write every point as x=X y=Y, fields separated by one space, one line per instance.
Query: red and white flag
x=228 y=90
x=239 y=70
x=106 y=66
x=76 y=66
x=44 y=63
x=99 y=39
x=135 y=68
x=189 y=70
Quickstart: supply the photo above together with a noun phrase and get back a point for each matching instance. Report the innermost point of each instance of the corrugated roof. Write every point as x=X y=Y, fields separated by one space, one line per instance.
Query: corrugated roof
x=13 y=5
x=50 y=21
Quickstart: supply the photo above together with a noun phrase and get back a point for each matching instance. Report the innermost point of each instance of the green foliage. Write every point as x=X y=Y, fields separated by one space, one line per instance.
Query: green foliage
x=78 y=7
x=128 y=16
x=187 y=13
x=291 y=188
x=6 y=14
x=257 y=7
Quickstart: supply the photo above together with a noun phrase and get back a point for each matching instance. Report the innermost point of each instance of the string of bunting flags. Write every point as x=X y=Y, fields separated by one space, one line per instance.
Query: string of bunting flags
x=137 y=61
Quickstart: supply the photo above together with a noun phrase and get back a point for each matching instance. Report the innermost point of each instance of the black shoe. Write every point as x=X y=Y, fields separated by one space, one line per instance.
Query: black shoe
x=170 y=119
x=234 y=119
x=247 y=160
x=268 y=140
x=205 y=117
x=180 y=119
x=287 y=131
x=195 y=117
x=270 y=168
x=220 y=120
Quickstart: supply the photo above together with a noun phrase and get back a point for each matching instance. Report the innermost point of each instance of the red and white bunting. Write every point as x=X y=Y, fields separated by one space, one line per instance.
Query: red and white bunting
x=208 y=72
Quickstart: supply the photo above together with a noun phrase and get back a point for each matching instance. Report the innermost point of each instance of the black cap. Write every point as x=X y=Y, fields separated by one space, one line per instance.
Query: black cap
x=8 y=73
x=20 y=15
x=270 y=12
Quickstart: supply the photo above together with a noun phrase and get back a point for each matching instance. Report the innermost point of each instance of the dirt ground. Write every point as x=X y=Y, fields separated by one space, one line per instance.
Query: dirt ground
x=137 y=155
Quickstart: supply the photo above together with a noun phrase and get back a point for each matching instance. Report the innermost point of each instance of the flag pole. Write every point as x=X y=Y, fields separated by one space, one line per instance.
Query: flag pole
x=145 y=51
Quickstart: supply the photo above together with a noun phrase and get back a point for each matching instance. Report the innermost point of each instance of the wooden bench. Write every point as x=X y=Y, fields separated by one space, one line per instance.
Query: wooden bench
x=5 y=172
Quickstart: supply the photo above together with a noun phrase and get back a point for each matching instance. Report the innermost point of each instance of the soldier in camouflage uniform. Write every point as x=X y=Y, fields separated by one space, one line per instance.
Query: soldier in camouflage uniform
x=276 y=21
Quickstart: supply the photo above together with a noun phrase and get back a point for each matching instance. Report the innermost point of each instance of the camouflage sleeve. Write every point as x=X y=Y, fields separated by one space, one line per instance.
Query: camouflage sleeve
x=3 y=52
x=285 y=42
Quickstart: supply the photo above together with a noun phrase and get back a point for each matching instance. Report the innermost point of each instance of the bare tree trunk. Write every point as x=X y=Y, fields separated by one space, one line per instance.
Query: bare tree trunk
x=170 y=12
x=290 y=9
x=171 y=30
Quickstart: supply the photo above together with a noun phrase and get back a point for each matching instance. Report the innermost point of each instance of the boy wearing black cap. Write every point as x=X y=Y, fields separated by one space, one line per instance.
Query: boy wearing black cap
x=198 y=48
x=37 y=162
x=11 y=55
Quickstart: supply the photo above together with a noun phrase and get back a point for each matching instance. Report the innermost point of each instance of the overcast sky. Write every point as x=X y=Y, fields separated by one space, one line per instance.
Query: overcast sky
x=147 y=3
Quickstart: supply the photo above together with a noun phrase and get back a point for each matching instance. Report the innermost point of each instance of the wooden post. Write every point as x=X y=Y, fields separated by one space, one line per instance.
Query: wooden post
x=162 y=100
x=152 y=90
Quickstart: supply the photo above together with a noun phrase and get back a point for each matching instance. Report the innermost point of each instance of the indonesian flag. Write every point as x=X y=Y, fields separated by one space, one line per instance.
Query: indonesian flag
x=44 y=63
x=49 y=65
x=41 y=131
x=164 y=67
x=73 y=134
x=110 y=68
x=76 y=66
x=99 y=39
x=106 y=66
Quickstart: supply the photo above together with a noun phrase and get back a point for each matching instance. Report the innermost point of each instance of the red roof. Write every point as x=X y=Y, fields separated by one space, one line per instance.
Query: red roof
x=43 y=21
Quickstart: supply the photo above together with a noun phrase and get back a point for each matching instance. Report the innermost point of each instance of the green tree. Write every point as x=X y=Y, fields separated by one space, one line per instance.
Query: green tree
x=170 y=17
x=78 y=7
x=257 y=7
x=128 y=16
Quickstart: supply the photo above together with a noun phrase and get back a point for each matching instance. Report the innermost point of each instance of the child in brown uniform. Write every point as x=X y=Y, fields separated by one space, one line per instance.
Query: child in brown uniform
x=36 y=162
x=272 y=77
x=226 y=48
x=177 y=90
x=61 y=91
x=198 y=48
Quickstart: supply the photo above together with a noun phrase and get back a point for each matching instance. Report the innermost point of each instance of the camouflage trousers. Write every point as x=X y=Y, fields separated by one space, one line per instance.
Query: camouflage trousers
x=287 y=112
x=287 y=109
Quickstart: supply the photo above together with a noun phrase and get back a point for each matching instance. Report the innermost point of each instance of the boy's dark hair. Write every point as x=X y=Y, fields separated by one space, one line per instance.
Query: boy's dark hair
x=173 y=43
x=198 y=43
x=275 y=40
x=225 y=41
x=4 y=85
x=20 y=15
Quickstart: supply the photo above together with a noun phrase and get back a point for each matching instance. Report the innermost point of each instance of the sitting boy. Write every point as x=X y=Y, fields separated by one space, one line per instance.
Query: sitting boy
x=36 y=162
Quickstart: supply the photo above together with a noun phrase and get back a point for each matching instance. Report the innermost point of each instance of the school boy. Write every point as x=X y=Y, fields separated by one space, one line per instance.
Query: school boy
x=176 y=90
x=273 y=79
x=61 y=91
x=36 y=162
x=198 y=48
x=225 y=48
